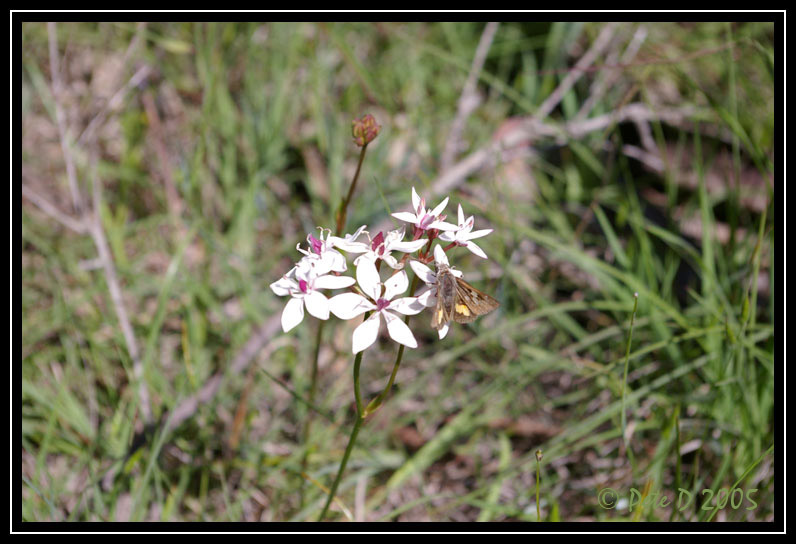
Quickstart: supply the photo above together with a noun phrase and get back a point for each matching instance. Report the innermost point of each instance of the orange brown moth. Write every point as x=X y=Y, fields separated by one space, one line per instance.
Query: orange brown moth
x=458 y=300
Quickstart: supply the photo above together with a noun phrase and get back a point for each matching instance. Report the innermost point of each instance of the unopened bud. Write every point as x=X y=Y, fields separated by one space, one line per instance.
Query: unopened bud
x=364 y=130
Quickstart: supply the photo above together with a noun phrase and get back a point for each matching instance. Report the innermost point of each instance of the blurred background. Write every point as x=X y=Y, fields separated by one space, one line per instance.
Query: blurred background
x=169 y=170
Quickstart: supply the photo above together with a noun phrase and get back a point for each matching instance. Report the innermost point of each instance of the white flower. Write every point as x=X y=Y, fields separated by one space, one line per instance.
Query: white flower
x=349 y=243
x=381 y=248
x=463 y=235
x=428 y=297
x=302 y=284
x=350 y=305
x=321 y=254
x=423 y=218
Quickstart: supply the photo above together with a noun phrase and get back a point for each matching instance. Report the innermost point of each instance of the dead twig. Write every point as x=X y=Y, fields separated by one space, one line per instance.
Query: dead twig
x=92 y=224
x=114 y=104
x=48 y=208
x=240 y=362
x=60 y=118
x=106 y=258
x=158 y=139
x=529 y=130
x=116 y=99
x=588 y=58
x=468 y=100
x=601 y=85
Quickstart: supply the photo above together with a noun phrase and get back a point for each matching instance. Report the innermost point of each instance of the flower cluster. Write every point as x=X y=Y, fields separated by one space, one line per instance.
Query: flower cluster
x=323 y=268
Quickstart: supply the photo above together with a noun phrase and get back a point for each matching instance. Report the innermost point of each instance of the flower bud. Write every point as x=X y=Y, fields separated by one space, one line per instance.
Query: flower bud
x=364 y=130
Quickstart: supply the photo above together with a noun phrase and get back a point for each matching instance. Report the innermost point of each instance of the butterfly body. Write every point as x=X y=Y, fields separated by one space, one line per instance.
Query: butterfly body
x=457 y=300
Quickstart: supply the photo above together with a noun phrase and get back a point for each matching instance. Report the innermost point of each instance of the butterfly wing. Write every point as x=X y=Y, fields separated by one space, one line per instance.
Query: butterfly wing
x=470 y=303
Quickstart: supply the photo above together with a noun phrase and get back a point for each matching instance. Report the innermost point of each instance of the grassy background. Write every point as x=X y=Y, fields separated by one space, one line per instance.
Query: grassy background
x=249 y=125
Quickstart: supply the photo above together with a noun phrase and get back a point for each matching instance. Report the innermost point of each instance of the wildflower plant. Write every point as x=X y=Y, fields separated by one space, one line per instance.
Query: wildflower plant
x=374 y=293
x=323 y=267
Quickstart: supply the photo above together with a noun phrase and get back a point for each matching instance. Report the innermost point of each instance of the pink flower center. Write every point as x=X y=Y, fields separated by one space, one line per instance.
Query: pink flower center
x=425 y=221
x=316 y=245
x=377 y=244
x=381 y=304
x=303 y=286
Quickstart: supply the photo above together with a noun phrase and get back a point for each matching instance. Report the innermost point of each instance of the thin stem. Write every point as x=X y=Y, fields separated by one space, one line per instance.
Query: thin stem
x=363 y=412
x=310 y=415
x=375 y=403
x=351 y=439
x=357 y=392
x=627 y=364
x=538 y=474
x=343 y=212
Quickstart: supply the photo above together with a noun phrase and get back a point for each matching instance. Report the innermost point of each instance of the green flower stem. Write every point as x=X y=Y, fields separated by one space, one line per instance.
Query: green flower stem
x=538 y=475
x=357 y=393
x=342 y=214
x=627 y=361
x=362 y=412
x=310 y=414
x=375 y=403
x=351 y=439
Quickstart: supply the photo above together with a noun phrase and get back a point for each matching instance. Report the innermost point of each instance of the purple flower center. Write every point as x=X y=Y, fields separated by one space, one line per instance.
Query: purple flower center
x=303 y=286
x=315 y=244
x=426 y=221
x=377 y=244
x=381 y=304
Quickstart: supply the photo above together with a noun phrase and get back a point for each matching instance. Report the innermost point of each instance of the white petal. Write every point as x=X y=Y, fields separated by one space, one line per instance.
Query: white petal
x=406 y=216
x=333 y=282
x=366 y=333
x=349 y=243
x=476 y=234
x=283 y=286
x=392 y=262
x=399 y=331
x=449 y=235
x=443 y=331
x=350 y=305
x=476 y=250
x=442 y=225
x=394 y=236
x=457 y=273
x=317 y=304
x=352 y=247
x=357 y=233
x=439 y=256
x=415 y=199
x=312 y=266
x=461 y=215
x=397 y=284
x=428 y=297
x=368 y=278
x=407 y=247
x=423 y=272
x=334 y=260
x=368 y=255
x=438 y=210
x=407 y=306
x=292 y=314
